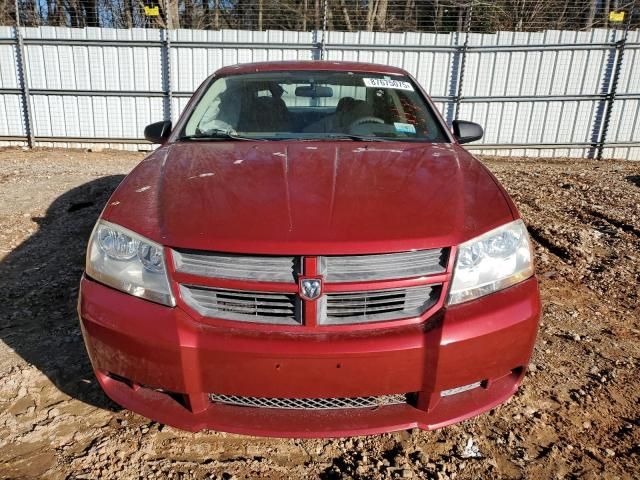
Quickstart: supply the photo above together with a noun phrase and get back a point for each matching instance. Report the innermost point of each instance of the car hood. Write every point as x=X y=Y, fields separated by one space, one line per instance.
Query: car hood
x=309 y=197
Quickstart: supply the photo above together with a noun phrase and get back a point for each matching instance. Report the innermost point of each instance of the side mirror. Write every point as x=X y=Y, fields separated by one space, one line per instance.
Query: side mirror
x=158 y=132
x=466 y=132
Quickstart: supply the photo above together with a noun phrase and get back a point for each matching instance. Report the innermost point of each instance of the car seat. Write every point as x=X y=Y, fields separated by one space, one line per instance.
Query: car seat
x=265 y=114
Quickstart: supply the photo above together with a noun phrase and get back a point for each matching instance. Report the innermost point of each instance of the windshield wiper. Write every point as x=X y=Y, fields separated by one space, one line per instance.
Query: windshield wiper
x=228 y=134
x=219 y=134
x=351 y=136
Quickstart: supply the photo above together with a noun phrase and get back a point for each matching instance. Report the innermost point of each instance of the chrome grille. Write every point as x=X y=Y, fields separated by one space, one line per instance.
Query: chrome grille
x=355 y=268
x=242 y=305
x=339 y=308
x=377 y=305
x=240 y=267
x=310 y=403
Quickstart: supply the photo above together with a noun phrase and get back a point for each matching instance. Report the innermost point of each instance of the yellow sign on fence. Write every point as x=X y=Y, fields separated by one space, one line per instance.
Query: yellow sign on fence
x=151 y=11
x=616 y=16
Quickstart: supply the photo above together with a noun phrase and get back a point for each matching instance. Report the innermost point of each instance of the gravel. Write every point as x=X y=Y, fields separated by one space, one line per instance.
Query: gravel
x=576 y=415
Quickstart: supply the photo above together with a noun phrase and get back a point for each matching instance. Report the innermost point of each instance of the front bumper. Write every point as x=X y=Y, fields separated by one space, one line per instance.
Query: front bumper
x=161 y=363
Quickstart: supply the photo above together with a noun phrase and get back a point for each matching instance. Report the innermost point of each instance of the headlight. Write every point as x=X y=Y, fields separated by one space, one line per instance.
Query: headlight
x=129 y=262
x=493 y=261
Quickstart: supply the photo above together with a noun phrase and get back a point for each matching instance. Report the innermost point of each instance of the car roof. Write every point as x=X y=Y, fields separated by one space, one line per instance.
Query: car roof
x=309 y=65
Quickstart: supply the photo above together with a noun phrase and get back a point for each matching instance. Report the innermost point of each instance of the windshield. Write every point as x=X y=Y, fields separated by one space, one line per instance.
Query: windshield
x=314 y=105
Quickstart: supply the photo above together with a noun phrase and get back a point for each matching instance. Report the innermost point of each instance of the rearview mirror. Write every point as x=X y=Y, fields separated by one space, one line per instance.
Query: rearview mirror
x=314 y=91
x=466 y=132
x=158 y=132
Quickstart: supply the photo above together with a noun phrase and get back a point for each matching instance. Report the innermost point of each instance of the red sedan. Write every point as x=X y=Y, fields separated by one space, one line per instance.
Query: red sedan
x=309 y=253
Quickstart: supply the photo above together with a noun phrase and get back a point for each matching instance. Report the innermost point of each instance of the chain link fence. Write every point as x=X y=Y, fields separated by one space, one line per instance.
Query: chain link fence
x=545 y=78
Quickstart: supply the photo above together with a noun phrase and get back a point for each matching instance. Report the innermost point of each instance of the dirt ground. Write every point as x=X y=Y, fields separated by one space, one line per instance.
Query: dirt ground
x=576 y=415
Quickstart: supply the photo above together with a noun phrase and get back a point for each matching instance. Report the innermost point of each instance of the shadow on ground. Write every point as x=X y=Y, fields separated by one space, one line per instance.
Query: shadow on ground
x=635 y=179
x=40 y=281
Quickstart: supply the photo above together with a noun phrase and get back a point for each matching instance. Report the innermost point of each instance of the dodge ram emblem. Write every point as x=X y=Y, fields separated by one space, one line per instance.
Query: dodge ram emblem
x=310 y=288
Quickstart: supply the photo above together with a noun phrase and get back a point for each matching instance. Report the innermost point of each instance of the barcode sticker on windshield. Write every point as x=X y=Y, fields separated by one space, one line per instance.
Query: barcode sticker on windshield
x=385 y=83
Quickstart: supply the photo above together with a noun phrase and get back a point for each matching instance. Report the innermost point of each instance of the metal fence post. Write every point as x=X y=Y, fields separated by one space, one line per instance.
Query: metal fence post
x=463 y=60
x=324 y=28
x=456 y=74
x=611 y=95
x=319 y=36
x=27 y=113
x=166 y=71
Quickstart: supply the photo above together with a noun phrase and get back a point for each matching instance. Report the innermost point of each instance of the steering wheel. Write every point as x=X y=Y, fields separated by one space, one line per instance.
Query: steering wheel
x=363 y=120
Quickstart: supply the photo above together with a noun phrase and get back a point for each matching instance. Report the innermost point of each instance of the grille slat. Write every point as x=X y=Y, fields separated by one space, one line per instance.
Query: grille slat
x=372 y=306
x=364 y=264
x=267 y=297
x=260 y=307
x=230 y=307
x=310 y=403
x=361 y=304
x=386 y=266
x=371 y=294
x=240 y=267
x=268 y=306
x=231 y=260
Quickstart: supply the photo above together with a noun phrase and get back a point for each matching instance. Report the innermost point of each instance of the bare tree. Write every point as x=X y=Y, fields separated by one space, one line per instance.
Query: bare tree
x=345 y=13
x=591 y=16
x=351 y=15
x=377 y=13
x=171 y=13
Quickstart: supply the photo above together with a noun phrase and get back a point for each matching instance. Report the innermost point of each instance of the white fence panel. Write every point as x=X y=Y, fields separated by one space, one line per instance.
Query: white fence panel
x=541 y=93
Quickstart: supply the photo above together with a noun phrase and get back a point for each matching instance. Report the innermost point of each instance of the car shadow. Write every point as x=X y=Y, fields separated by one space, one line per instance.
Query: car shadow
x=40 y=280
